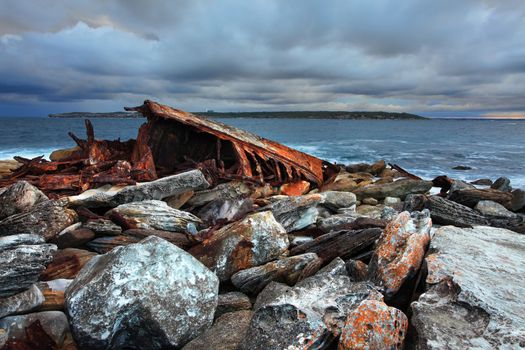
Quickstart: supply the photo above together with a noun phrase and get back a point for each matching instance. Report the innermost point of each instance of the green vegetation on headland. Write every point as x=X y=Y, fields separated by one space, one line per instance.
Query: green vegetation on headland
x=259 y=115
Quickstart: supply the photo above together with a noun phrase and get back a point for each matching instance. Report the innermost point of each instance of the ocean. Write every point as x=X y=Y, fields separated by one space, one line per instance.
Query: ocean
x=428 y=148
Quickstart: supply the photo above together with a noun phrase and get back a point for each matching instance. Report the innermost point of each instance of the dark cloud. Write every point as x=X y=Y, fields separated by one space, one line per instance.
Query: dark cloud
x=431 y=57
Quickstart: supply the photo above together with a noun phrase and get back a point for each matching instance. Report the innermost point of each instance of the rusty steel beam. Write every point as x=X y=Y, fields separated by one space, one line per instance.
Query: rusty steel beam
x=255 y=157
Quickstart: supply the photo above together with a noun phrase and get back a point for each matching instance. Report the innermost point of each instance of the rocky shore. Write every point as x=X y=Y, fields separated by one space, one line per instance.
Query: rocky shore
x=371 y=257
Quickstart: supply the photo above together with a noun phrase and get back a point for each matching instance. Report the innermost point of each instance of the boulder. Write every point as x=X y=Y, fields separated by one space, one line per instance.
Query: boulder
x=229 y=190
x=22 y=302
x=149 y=295
x=495 y=210
x=482 y=182
x=309 y=315
x=447 y=212
x=370 y=201
x=400 y=251
x=177 y=201
x=342 y=182
x=356 y=270
x=400 y=188
x=295 y=213
x=502 y=184
x=370 y=211
x=377 y=168
x=73 y=238
x=335 y=200
x=462 y=167
x=40 y=330
x=7 y=166
x=335 y=267
x=475 y=293
x=358 y=168
x=165 y=187
x=64 y=153
x=20 y=197
x=253 y=241
x=227 y=332
x=471 y=197
x=225 y=210
x=231 y=302
x=22 y=259
x=374 y=325
x=295 y=188
x=336 y=222
x=457 y=185
x=518 y=200
x=287 y=270
x=46 y=219
x=391 y=201
x=155 y=215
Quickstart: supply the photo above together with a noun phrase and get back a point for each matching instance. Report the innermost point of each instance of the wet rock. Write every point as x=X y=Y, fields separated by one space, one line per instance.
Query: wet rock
x=295 y=213
x=165 y=187
x=231 y=302
x=370 y=201
x=227 y=332
x=225 y=210
x=399 y=188
x=74 y=238
x=374 y=325
x=20 y=197
x=295 y=188
x=335 y=200
x=476 y=291
x=149 y=295
x=66 y=263
x=253 y=241
x=155 y=215
x=22 y=302
x=482 y=182
x=336 y=222
x=461 y=167
x=105 y=244
x=40 y=330
x=229 y=190
x=400 y=251
x=287 y=270
x=309 y=315
x=495 y=210
x=103 y=227
x=502 y=184
x=46 y=219
x=518 y=200
x=391 y=201
x=22 y=260
x=344 y=244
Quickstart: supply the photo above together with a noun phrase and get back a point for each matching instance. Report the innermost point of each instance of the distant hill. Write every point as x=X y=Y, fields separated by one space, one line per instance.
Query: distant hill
x=258 y=115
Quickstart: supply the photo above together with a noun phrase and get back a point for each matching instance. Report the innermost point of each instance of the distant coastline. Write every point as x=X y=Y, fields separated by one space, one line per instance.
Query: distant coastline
x=259 y=115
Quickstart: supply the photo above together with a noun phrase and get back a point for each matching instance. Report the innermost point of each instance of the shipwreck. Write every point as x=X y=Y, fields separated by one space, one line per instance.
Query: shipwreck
x=171 y=141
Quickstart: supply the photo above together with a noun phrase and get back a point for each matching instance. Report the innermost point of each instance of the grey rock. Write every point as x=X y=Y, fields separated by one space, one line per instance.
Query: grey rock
x=335 y=267
x=149 y=295
x=482 y=182
x=21 y=265
x=154 y=190
x=103 y=227
x=225 y=210
x=335 y=200
x=54 y=324
x=231 y=302
x=370 y=211
x=336 y=222
x=22 y=302
x=399 y=188
x=229 y=190
x=20 y=197
x=447 y=212
x=8 y=242
x=313 y=312
x=46 y=219
x=502 y=184
x=492 y=209
x=461 y=167
x=227 y=332
x=390 y=201
x=459 y=185
x=253 y=241
x=287 y=270
x=414 y=202
x=388 y=213
x=370 y=201
x=476 y=291
x=156 y=215
x=297 y=212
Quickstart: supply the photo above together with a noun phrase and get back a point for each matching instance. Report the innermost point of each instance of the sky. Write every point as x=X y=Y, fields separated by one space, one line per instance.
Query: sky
x=434 y=58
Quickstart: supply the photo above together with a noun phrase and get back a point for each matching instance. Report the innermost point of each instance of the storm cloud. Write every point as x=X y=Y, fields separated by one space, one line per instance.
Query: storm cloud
x=436 y=58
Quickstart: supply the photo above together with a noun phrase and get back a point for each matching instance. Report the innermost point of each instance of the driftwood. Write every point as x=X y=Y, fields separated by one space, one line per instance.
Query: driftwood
x=343 y=244
x=447 y=212
x=471 y=197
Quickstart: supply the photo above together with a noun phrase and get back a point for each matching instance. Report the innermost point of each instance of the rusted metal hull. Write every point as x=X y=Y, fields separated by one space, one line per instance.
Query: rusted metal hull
x=170 y=142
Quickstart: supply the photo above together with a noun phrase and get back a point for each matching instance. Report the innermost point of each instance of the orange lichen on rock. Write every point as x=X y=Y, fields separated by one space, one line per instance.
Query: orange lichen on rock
x=400 y=250
x=374 y=325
